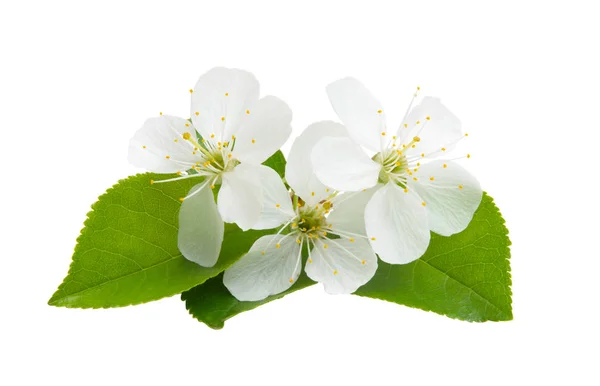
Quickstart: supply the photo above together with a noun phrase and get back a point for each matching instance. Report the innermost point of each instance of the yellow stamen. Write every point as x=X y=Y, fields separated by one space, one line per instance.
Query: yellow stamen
x=277 y=245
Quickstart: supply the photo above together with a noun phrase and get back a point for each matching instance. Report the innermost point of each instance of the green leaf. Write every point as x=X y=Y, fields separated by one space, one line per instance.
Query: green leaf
x=465 y=276
x=127 y=252
x=277 y=163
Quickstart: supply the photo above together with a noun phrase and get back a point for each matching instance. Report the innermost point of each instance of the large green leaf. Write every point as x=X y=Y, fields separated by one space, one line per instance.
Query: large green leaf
x=127 y=252
x=464 y=276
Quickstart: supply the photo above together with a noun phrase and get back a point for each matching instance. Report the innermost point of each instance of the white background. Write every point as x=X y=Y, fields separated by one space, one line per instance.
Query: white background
x=78 y=79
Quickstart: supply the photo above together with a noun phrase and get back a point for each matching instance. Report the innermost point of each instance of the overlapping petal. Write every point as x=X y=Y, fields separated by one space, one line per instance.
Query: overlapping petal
x=200 y=227
x=396 y=223
x=240 y=196
x=341 y=265
x=359 y=111
x=276 y=201
x=341 y=164
x=299 y=171
x=452 y=195
x=270 y=267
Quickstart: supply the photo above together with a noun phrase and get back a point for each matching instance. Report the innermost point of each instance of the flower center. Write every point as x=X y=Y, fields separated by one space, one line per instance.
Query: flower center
x=394 y=165
x=311 y=219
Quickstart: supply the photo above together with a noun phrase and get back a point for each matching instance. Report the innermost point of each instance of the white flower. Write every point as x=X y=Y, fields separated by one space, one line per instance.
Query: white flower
x=315 y=214
x=239 y=131
x=416 y=193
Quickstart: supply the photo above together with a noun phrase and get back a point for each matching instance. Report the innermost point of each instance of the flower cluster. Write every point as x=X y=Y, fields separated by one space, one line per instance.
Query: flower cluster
x=351 y=192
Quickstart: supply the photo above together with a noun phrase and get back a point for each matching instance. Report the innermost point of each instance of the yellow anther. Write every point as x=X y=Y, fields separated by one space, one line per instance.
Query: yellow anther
x=373 y=238
x=222 y=118
x=226 y=94
x=423 y=203
x=310 y=260
x=187 y=136
x=247 y=111
x=175 y=140
x=405 y=190
x=233 y=137
x=187 y=125
x=229 y=155
x=203 y=140
x=413 y=146
x=393 y=145
x=418 y=122
x=168 y=157
x=197 y=113
x=329 y=225
x=379 y=111
x=443 y=149
x=178 y=173
x=417 y=139
x=294 y=225
x=397 y=163
x=422 y=154
x=253 y=140
x=212 y=135
x=445 y=166
x=291 y=280
x=325 y=246
x=415 y=178
x=466 y=134
x=181 y=199
x=405 y=125
x=418 y=88
x=335 y=272
x=468 y=155
x=263 y=252
x=312 y=194
x=225 y=144
x=218 y=143
x=431 y=178
x=324 y=233
x=351 y=239
x=298 y=241
x=418 y=164
x=191 y=91
x=160 y=113
x=277 y=205
x=143 y=147
x=394 y=137
x=383 y=133
x=460 y=186
x=327 y=190
x=428 y=118
x=151 y=182
x=363 y=262
x=212 y=186
x=277 y=245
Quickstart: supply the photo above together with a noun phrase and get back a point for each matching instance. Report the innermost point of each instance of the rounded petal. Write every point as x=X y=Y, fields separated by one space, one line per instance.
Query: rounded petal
x=159 y=146
x=452 y=195
x=276 y=202
x=220 y=100
x=348 y=211
x=200 y=227
x=341 y=164
x=240 y=196
x=265 y=129
x=359 y=111
x=299 y=172
x=396 y=224
x=266 y=269
x=340 y=265
x=441 y=130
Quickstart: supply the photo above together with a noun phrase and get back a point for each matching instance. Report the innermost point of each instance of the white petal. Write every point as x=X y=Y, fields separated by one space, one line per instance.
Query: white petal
x=398 y=223
x=200 y=227
x=159 y=145
x=442 y=130
x=265 y=271
x=341 y=164
x=299 y=172
x=240 y=197
x=276 y=202
x=359 y=111
x=263 y=131
x=340 y=265
x=451 y=198
x=348 y=211
x=220 y=100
